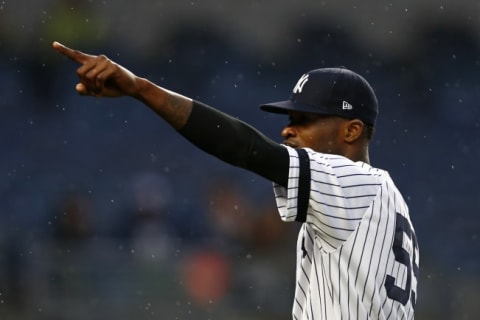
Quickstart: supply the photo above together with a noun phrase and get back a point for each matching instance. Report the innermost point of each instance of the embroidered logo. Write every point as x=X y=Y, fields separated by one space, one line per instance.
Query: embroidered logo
x=346 y=106
x=301 y=82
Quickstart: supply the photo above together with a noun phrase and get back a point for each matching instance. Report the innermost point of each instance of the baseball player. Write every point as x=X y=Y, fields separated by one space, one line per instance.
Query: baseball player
x=357 y=252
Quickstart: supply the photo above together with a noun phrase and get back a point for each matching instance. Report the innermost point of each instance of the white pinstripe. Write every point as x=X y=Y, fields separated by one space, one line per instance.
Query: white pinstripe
x=344 y=248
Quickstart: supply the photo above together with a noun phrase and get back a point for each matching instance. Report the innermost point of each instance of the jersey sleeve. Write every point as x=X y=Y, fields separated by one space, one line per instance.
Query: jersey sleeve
x=339 y=194
x=293 y=201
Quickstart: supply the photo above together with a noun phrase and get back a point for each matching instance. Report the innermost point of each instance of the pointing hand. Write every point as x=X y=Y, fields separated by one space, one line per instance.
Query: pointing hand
x=99 y=76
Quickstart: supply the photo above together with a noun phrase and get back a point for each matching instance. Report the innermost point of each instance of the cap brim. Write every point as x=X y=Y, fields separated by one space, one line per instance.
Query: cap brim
x=283 y=107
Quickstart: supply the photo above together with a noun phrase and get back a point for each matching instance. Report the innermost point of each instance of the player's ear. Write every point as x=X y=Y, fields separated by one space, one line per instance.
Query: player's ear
x=353 y=130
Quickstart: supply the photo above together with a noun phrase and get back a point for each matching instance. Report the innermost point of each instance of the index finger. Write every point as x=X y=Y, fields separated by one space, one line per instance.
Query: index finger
x=74 y=55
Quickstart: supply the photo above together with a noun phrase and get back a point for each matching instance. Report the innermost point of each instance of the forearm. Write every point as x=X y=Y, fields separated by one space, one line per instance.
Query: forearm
x=236 y=142
x=172 y=107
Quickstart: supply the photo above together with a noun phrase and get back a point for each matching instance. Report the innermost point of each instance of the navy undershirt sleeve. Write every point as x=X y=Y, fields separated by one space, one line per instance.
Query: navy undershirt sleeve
x=236 y=142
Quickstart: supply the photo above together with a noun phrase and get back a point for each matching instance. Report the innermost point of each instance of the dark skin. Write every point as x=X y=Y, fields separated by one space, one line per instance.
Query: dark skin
x=101 y=77
x=327 y=134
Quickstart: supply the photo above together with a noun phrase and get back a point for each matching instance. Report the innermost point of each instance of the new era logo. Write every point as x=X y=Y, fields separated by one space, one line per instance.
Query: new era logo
x=346 y=106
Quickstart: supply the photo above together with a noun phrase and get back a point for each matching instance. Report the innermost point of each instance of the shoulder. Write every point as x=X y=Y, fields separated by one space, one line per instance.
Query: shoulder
x=342 y=165
x=337 y=166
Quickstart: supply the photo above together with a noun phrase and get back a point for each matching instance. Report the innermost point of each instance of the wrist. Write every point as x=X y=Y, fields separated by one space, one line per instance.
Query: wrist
x=140 y=88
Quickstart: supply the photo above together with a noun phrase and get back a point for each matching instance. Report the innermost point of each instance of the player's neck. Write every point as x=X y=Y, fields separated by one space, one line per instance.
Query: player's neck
x=366 y=159
x=358 y=154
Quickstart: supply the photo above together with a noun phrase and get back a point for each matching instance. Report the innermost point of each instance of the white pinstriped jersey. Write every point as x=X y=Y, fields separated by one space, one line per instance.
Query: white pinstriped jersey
x=357 y=253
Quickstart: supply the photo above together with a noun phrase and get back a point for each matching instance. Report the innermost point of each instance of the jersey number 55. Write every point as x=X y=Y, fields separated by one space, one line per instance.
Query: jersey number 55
x=403 y=295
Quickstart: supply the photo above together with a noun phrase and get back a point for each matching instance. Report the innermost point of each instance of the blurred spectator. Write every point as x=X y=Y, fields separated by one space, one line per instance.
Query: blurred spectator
x=229 y=212
x=72 y=221
x=146 y=228
x=206 y=276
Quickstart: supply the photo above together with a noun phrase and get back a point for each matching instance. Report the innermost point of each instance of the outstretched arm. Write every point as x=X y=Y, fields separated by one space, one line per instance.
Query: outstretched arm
x=216 y=133
x=101 y=77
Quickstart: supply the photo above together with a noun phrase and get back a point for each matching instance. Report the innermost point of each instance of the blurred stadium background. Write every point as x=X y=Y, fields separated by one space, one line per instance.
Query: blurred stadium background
x=106 y=213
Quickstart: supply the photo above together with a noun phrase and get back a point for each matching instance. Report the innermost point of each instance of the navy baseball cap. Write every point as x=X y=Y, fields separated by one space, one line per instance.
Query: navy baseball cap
x=331 y=91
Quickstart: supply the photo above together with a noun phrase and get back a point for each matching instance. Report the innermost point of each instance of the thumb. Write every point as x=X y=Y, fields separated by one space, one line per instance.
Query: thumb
x=82 y=89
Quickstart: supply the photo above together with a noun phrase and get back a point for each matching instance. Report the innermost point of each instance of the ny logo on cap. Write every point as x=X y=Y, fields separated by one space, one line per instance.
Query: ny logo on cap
x=301 y=82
